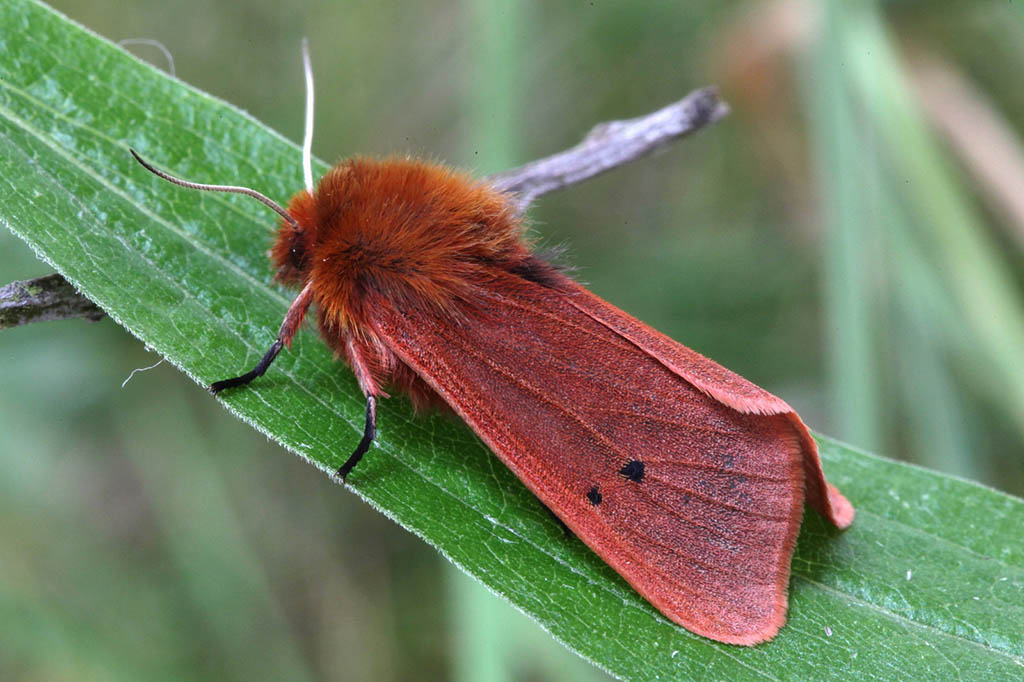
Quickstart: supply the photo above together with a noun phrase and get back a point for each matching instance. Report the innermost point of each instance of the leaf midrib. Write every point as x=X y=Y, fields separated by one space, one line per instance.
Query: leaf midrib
x=892 y=615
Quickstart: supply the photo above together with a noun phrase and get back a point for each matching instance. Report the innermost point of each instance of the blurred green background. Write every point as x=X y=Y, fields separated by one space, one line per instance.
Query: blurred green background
x=850 y=238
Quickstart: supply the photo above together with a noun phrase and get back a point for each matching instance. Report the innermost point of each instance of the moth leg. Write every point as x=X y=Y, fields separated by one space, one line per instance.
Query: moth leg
x=372 y=392
x=369 y=433
x=289 y=326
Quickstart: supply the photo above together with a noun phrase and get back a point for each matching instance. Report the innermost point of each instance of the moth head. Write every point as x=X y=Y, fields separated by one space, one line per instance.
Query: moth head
x=295 y=239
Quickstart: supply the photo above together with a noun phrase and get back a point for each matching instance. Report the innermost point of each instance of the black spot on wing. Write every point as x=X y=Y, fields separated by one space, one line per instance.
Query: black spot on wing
x=634 y=470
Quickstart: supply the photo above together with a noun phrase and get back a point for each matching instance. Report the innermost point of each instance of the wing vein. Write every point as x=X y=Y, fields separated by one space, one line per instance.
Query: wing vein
x=616 y=339
x=730 y=569
x=711 y=467
x=721 y=503
x=666 y=420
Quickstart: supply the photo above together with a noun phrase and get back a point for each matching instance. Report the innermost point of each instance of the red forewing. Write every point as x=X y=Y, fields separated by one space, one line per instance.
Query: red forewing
x=728 y=388
x=687 y=479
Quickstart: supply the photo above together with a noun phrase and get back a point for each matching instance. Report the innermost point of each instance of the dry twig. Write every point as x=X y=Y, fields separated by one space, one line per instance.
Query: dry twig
x=611 y=144
x=45 y=298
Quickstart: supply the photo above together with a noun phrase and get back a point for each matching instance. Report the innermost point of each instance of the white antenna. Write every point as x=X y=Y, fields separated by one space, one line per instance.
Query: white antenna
x=307 y=138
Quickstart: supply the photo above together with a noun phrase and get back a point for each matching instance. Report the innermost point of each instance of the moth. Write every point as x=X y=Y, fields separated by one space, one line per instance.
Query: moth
x=687 y=479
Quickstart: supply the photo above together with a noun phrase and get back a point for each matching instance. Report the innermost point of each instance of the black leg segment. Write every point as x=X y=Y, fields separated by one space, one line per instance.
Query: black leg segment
x=256 y=371
x=369 y=433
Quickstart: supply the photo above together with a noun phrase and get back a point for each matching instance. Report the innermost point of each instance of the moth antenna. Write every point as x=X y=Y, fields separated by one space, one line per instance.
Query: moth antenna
x=218 y=188
x=307 y=137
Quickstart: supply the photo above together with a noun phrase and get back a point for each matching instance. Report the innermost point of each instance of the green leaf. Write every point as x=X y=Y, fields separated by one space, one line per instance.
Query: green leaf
x=928 y=583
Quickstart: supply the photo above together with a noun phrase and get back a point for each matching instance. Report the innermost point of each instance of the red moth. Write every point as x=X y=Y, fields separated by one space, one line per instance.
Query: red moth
x=686 y=478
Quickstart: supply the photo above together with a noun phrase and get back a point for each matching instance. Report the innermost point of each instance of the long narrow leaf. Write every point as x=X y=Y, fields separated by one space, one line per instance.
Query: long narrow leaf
x=928 y=583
